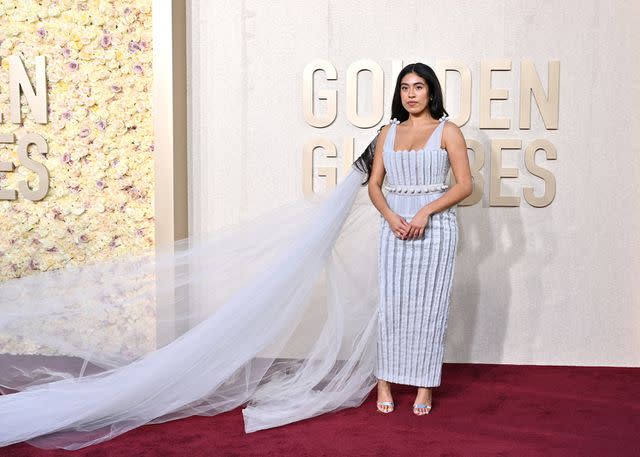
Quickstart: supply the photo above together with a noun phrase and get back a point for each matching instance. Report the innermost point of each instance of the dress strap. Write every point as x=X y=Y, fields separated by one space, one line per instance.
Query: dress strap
x=391 y=134
x=437 y=135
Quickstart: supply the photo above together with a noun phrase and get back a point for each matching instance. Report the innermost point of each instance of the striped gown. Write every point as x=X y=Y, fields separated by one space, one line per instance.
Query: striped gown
x=415 y=276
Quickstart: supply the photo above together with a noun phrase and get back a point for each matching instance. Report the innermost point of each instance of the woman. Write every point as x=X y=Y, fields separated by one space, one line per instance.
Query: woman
x=278 y=315
x=418 y=234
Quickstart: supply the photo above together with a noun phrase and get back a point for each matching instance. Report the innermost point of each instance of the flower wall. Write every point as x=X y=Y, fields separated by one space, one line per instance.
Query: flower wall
x=99 y=136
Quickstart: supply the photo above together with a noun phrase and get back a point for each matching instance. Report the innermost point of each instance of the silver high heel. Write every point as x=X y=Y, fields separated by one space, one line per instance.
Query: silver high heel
x=417 y=406
x=385 y=403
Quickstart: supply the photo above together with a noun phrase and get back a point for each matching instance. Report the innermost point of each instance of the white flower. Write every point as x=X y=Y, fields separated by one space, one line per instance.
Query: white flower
x=77 y=209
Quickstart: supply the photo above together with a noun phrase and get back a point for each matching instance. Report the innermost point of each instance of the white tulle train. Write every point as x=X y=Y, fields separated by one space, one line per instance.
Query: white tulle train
x=279 y=314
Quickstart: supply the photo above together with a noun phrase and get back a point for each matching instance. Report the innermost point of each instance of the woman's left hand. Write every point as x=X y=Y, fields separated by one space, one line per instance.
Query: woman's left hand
x=418 y=224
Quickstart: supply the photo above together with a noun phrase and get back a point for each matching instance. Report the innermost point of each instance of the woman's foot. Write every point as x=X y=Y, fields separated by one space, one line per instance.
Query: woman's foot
x=385 y=401
x=422 y=405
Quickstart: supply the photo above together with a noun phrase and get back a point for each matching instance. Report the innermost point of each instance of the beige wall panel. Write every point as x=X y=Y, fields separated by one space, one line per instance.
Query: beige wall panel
x=537 y=285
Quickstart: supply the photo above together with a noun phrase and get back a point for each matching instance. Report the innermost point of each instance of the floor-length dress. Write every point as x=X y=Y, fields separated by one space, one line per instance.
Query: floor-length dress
x=415 y=275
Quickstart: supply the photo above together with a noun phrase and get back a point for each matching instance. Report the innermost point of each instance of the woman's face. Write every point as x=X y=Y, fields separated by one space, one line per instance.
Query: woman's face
x=414 y=93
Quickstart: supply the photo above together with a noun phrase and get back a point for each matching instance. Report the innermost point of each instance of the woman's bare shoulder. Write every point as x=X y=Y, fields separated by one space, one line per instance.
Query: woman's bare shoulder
x=451 y=125
x=451 y=130
x=383 y=132
x=452 y=135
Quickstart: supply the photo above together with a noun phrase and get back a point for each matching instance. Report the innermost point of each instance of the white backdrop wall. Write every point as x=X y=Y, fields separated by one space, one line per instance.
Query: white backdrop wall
x=554 y=285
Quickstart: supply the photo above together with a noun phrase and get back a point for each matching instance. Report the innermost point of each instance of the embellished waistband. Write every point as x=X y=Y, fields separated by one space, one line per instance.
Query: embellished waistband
x=417 y=189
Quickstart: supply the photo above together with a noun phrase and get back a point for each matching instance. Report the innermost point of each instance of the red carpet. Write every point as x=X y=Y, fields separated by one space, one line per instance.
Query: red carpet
x=479 y=410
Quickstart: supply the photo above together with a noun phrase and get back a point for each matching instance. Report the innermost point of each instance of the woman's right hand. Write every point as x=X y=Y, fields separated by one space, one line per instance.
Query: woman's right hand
x=398 y=225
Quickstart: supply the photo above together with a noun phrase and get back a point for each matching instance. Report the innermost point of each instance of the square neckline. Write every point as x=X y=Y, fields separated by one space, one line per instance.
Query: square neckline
x=393 y=141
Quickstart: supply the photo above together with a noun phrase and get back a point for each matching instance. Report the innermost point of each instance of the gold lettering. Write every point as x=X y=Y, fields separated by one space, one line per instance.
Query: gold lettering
x=544 y=174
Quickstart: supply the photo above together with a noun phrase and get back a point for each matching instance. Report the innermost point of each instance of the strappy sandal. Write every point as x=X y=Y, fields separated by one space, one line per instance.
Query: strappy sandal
x=417 y=406
x=385 y=403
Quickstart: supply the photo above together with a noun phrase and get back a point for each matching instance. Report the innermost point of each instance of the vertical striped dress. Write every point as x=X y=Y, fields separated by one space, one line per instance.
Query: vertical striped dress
x=415 y=276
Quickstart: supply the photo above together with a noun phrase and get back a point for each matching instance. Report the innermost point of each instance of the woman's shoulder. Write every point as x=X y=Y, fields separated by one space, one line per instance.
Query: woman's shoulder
x=382 y=132
x=451 y=134
x=450 y=126
x=385 y=128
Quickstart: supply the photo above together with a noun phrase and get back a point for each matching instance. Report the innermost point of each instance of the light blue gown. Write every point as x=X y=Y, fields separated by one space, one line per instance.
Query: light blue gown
x=415 y=275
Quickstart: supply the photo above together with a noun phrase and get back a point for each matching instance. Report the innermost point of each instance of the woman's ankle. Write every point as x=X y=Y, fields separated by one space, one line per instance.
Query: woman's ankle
x=384 y=387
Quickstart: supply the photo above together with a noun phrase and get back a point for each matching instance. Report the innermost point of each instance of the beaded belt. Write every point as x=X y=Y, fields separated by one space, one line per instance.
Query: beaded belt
x=402 y=189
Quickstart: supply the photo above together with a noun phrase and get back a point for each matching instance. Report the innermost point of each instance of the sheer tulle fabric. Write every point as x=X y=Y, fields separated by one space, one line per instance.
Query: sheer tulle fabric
x=279 y=314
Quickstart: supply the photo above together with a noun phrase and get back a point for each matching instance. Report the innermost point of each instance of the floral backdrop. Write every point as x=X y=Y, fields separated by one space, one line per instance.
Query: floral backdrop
x=100 y=141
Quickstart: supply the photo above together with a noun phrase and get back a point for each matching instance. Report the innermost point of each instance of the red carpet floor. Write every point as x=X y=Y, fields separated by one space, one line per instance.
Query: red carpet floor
x=479 y=410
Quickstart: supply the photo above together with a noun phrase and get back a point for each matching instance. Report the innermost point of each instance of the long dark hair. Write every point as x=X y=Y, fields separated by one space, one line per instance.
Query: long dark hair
x=364 y=163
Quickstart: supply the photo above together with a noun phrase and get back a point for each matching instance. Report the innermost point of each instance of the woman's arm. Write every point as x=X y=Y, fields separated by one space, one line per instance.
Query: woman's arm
x=456 y=147
x=377 y=176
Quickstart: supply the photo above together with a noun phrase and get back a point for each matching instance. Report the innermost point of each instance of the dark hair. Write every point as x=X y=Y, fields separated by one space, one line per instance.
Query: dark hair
x=364 y=163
